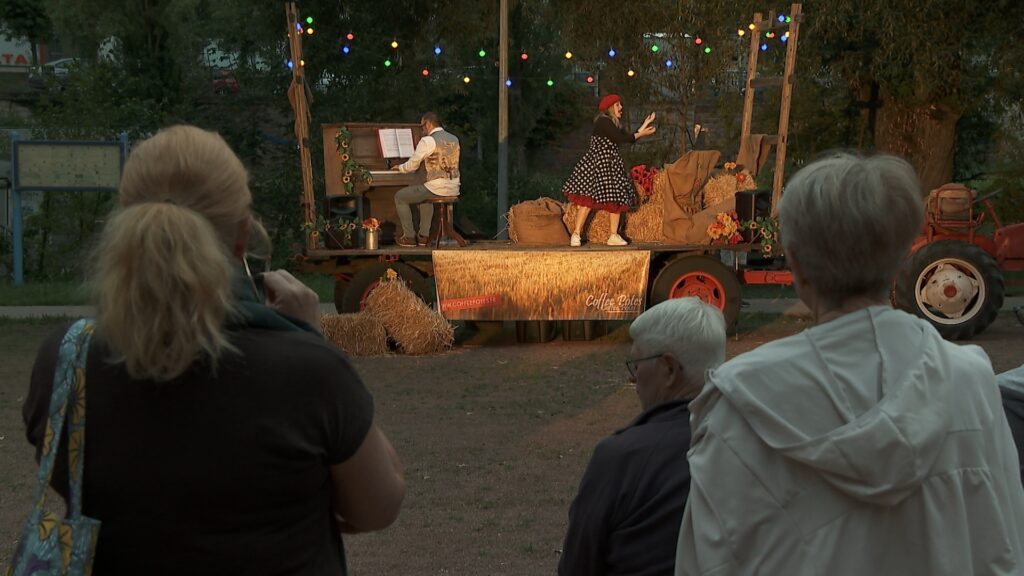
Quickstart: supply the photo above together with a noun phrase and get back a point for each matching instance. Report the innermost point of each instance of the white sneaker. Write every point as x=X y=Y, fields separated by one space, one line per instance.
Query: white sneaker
x=575 y=240
x=616 y=240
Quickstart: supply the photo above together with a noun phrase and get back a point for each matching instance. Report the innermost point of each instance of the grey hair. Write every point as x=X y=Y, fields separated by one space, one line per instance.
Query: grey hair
x=850 y=222
x=687 y=328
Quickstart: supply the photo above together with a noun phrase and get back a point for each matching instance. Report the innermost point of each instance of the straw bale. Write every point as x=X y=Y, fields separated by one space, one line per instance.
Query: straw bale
x=414 y=326
x=642 y=224
x=357 y=334
x=724 y=186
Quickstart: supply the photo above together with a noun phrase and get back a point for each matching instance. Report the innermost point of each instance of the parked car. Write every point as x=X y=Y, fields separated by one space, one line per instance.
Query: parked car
x=224 y=81
x=57 y=70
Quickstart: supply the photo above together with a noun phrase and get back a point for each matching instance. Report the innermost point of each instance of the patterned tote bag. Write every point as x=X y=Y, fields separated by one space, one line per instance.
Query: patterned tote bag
x=51 y=546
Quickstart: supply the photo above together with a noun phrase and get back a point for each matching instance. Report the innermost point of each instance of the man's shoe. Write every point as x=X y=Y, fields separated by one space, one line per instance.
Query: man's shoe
x=403 y=241
x=616 y=240
x=574 y=240
x=422 y=240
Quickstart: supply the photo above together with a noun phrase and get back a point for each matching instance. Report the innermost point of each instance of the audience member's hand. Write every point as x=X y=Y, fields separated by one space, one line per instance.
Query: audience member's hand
x=286 y=294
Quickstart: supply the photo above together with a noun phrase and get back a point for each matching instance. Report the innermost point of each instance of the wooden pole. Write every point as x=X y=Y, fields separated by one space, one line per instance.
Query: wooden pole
x=297 y=96
x=787 y=99
x=502 y=121
x=748 y=94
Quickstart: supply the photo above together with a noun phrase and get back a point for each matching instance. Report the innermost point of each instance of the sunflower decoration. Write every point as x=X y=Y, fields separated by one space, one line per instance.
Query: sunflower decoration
x=765 y=231
x=352 y=171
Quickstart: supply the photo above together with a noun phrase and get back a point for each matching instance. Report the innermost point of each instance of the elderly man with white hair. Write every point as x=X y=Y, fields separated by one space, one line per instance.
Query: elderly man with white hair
x=625 y=518
x=866 y=444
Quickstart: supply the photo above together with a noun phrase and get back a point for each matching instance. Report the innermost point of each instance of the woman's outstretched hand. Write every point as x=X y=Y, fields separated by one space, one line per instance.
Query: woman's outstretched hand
x=646 y=129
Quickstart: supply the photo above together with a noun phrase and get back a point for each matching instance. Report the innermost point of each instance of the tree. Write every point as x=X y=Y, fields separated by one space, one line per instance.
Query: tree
x=26 y=19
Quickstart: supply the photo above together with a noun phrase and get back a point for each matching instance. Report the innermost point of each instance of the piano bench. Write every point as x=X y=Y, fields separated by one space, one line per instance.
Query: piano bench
x=445 y=227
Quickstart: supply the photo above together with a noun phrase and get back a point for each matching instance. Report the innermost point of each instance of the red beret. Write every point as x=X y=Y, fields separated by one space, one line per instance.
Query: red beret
x=607 y=102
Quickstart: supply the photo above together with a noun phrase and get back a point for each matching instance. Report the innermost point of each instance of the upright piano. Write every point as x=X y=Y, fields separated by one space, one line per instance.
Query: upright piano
x=377 y=198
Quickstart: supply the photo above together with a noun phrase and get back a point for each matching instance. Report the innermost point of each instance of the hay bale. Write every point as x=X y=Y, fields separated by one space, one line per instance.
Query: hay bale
x=414 y=326
x=724 y=186
x=357 y=334
x=642 y=224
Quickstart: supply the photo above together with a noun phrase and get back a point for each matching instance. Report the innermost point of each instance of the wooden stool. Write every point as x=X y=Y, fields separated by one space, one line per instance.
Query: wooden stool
x=444 y=223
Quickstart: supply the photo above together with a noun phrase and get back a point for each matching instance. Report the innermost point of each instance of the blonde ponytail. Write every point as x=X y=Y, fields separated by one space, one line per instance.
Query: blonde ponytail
x=162 y=271
x=162 y=285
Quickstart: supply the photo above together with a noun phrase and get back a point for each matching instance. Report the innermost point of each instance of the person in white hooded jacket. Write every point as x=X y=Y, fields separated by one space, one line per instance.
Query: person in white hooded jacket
x=866 y=444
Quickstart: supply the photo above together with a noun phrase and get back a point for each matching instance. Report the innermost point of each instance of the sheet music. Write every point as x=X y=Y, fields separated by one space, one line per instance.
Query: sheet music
x=405 y=145
x=395 y=142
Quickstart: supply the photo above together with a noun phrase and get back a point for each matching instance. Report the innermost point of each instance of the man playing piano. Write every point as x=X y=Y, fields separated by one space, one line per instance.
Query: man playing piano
x=439 y=151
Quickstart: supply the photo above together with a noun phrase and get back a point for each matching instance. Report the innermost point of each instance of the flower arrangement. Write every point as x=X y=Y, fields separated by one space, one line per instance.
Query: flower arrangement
x=351 y=171
x=644 y=178
x=766 y=232
x=725 y=229
x=736 y=170
x=340 y=230
x=371 y=224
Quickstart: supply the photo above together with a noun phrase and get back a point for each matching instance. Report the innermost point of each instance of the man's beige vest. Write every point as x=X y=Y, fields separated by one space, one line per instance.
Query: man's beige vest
x=444 y=161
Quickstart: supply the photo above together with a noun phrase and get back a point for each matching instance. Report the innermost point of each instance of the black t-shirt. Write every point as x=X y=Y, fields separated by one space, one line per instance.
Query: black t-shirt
x=215 y=474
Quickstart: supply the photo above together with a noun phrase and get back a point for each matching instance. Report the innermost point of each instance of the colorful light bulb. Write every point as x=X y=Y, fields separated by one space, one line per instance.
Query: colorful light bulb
x=524 y=56
x=350 y=36
x=654 y=48
x=465 y=80
x=698 y=41
x=387 y=63
x=425 y=72
x=568 y=55
x=437 y=50
x=630 y=73
x=612 y=53
x=394 y=43
x=508 y=83
x=550 y=82
x=481 y=53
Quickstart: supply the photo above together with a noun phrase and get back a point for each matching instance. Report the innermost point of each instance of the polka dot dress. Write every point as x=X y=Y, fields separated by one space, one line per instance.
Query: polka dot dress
x=599 y=179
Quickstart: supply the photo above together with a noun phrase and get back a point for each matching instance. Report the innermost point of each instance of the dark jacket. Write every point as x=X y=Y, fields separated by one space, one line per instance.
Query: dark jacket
x=626 y=516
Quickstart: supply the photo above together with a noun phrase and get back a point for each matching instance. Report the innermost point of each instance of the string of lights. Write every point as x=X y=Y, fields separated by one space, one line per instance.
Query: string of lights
x=350 y=42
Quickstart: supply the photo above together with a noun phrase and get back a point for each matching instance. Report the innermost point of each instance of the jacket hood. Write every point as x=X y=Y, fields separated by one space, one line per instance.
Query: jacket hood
x=863 y=399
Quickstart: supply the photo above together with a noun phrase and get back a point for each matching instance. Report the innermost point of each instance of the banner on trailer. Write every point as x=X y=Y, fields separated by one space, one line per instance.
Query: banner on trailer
x=541 y=285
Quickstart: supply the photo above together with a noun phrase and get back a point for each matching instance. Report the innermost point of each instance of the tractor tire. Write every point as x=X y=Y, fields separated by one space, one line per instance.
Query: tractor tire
x=956 y=286
x=703 y=277
x=364 y=281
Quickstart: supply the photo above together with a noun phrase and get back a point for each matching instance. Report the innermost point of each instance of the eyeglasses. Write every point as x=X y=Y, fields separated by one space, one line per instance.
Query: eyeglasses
x=631 y=364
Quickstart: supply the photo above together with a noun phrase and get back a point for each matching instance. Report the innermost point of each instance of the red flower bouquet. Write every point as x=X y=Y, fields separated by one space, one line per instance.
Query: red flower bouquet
x=644 y=178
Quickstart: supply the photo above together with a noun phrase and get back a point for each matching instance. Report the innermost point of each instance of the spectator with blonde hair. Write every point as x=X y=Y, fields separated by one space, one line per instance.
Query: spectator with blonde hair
x=866 y=444
x=625 y=518
x=225 y=435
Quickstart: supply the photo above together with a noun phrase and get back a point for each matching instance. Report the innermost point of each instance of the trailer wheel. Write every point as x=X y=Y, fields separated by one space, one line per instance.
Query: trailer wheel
x=954 y=285
x=703 y=277
x=364 y=281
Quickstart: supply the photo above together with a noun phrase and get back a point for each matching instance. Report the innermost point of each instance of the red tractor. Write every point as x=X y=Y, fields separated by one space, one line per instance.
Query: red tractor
x=954 y=277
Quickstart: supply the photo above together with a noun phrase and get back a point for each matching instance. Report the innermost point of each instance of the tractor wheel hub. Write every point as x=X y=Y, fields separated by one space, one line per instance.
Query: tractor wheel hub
x=950 y=290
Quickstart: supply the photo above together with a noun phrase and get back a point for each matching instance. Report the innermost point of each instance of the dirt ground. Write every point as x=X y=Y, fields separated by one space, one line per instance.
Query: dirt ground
x=494 y=437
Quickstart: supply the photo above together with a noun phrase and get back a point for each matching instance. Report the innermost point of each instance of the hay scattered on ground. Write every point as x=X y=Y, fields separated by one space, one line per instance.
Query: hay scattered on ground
x=642 y=224
x=724 y=186
x=357 y=334
x=414 y=326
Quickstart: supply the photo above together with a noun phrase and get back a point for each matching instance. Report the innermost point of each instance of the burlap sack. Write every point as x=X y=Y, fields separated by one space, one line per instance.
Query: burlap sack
x=537 y=223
